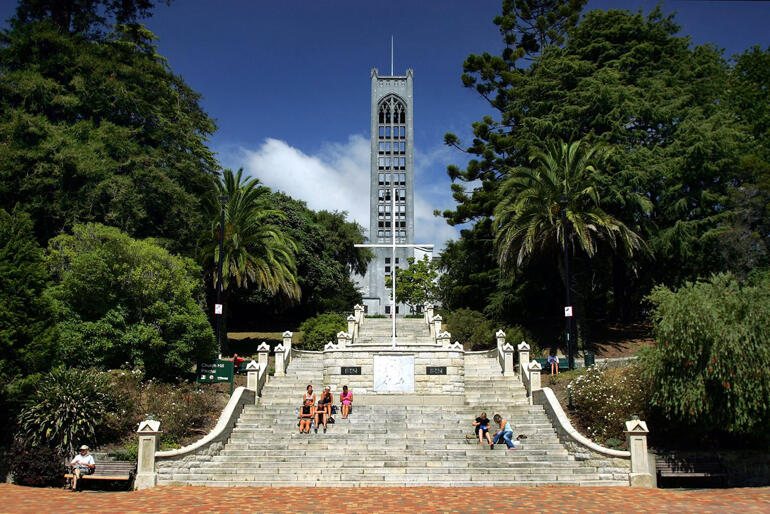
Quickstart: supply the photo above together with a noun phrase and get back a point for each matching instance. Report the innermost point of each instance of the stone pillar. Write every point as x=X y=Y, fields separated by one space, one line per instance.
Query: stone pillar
x=358 y=310
x=263 y=351
x=534 y=378
x=437 y=319
x=523 y=359
x=252 y=376
x=352 y=326
x=444 y=339
x=636 y=440
x=149 y=435
x=508 y=360
x=280 y=364
x=428 y=311
x=343 y=340
x=287 y=340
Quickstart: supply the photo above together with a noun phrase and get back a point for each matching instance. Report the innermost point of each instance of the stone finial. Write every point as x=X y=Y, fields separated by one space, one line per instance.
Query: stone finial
x=427 y=305
x=149 y=425
x=351 y=318
x=523 y=346
x=635 y=426
x=343 y=335
x=264 y=347
x=252 y=366
x=278 y=349
x=456 y=346
x=358 y=307
x=445 y=335
x=535 y=366
x=438 y=317
x=500 y=333
x=330 y=346
x=507 y=347
x=286 y=334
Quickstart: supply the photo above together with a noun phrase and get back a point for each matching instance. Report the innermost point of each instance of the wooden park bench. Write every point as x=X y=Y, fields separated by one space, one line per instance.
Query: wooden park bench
x=673 y=468
x=114 y=470
x=546 y=368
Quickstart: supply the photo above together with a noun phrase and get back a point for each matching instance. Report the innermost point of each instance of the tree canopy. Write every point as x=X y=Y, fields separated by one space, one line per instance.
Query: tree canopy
x=679 y=172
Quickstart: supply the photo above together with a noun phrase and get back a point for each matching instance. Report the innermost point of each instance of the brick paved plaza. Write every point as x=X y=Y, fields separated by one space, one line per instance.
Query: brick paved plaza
x=394 y=499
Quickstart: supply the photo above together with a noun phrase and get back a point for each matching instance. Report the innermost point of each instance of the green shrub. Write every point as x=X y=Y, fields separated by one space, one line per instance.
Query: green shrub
x=414 y=316
x=36 y=465
x=605 y=399
x=127 y=453
x=319 y=330
x=710 y=366
x=70 y=407
x=472 y=328
x=126 y=301
x=375 y=316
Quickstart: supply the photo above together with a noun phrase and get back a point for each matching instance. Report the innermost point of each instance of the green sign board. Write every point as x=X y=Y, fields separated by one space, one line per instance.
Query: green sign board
x=213 y=372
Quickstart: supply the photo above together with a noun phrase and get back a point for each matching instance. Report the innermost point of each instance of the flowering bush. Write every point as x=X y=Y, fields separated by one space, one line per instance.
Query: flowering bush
x=181 y=409
x=606 y=398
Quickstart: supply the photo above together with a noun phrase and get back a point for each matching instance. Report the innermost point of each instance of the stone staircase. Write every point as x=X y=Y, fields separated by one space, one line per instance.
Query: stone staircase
x=410 y=331
x=389 y=444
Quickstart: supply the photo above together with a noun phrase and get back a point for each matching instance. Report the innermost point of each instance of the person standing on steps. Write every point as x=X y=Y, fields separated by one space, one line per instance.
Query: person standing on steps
x=346 y=399
x=504 y=434
x=482 y=428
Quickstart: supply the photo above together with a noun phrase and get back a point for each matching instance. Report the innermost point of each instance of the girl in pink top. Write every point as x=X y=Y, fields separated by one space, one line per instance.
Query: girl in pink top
x=346 y=399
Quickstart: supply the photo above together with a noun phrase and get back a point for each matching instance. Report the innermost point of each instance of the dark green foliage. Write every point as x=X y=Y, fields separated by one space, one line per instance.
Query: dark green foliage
x=321 y=329
x=476 y=332
x=325 y=258
x=710 y=366
x=127 y=302
x=69 y=407
x=36 y=466
x=679 y=137
x=26 y=342
x=101 y=131
x=84 y=17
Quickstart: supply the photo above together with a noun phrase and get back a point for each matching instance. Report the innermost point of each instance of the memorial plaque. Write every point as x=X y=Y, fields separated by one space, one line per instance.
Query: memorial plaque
x=435 y=370
x=394 y=373
x=350 y=370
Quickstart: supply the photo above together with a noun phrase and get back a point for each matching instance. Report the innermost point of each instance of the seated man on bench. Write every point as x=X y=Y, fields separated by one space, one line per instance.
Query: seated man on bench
x=82 y=464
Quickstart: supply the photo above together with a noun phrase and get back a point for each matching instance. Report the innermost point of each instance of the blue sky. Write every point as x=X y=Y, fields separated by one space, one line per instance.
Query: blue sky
x=288 y=82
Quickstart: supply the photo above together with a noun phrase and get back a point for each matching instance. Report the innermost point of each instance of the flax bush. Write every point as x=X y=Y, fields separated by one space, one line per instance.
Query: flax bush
x=70 y=407
x=606 y=398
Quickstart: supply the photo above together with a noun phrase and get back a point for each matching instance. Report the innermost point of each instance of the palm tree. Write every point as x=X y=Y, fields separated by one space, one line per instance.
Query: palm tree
x=528 y=219
x=257 y=254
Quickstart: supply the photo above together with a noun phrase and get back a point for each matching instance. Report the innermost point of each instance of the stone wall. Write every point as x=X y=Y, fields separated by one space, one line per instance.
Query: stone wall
x=453 y=383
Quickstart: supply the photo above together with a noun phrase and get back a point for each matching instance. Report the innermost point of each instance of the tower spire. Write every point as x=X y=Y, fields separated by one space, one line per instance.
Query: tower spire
x=391 y=55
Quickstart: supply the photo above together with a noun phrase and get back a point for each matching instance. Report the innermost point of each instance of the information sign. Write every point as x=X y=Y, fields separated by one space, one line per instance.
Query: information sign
x=214 y=372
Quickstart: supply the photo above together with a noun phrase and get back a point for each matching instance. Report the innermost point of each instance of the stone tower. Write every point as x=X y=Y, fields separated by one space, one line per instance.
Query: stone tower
x=392 y=171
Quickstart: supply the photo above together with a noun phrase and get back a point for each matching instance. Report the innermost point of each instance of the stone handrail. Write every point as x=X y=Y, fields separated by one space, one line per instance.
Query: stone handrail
x=547 y=399
x=529 y=372
x=241 y=397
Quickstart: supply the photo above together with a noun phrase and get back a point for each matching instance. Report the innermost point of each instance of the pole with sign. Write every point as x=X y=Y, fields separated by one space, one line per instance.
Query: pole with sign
x=563 y=201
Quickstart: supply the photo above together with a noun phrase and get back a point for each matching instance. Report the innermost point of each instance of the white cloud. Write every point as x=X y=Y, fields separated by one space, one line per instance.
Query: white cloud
x=337 y=178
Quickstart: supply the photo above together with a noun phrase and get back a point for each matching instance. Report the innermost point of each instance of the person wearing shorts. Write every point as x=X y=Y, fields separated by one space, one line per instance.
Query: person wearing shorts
x=82 y=464
x=482 y=428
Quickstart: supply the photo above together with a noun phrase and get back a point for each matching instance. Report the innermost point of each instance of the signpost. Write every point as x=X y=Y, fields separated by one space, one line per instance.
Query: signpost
x=215 y=372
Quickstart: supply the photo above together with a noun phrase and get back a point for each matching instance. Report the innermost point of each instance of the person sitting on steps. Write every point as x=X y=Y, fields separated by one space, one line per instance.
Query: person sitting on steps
x=553 y=362
x=306 y=414
x=327 y=401
x=482 y=428
x=346 y=399
x=321 y=416
x=309 y=395
x=505 y=433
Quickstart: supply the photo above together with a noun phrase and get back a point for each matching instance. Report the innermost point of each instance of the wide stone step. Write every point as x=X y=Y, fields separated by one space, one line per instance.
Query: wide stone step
x=378 y=483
